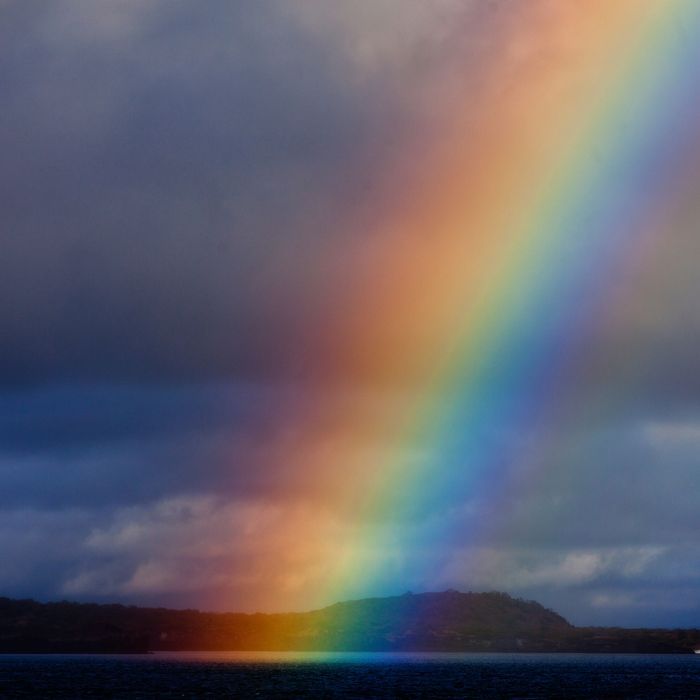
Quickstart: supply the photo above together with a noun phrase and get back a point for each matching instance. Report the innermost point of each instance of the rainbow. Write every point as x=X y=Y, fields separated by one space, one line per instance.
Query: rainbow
x=498 y=255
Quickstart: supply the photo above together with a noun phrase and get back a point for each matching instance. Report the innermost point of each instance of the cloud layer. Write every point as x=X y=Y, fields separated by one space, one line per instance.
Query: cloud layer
x=190 y=198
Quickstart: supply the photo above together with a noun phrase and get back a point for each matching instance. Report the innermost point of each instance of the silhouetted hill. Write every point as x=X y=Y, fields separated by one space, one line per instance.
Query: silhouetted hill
x=435 y=621
x=449 y=621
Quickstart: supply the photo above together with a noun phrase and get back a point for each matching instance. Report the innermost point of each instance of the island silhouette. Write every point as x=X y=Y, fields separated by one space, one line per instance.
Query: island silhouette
x=446 y=621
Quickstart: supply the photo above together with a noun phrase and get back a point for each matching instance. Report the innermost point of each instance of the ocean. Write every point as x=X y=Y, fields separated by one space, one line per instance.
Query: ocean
x=349 y=675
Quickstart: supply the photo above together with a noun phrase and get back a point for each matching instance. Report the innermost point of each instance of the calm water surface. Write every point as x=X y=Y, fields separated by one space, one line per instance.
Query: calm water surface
x=350 y=675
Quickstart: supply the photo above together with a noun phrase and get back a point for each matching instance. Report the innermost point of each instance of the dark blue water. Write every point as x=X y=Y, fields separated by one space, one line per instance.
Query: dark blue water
x=350 y=675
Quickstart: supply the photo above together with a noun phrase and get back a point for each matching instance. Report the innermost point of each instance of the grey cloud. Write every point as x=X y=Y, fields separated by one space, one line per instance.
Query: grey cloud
x=610 y=487
x=167 y=192
x=77 y=445
x=186 y=191
x=180 y=551
x=69 y=446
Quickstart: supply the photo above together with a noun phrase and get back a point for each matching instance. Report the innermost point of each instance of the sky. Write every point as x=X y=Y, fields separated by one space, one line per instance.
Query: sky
x=222 y=304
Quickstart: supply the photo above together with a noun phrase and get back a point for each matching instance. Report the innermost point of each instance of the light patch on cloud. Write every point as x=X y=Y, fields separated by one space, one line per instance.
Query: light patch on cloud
x=384 y=34
x=614 y=600
x=575 y=567
x=96 y=21
x=674 y=598
x=514 y=569
x=673 y=434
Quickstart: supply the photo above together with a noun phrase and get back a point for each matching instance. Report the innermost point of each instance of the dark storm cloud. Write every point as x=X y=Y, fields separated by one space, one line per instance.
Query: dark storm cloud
x=172 y=181
x=96 y=445
x=74 y=446
x=80 y=445
x=182 y=191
